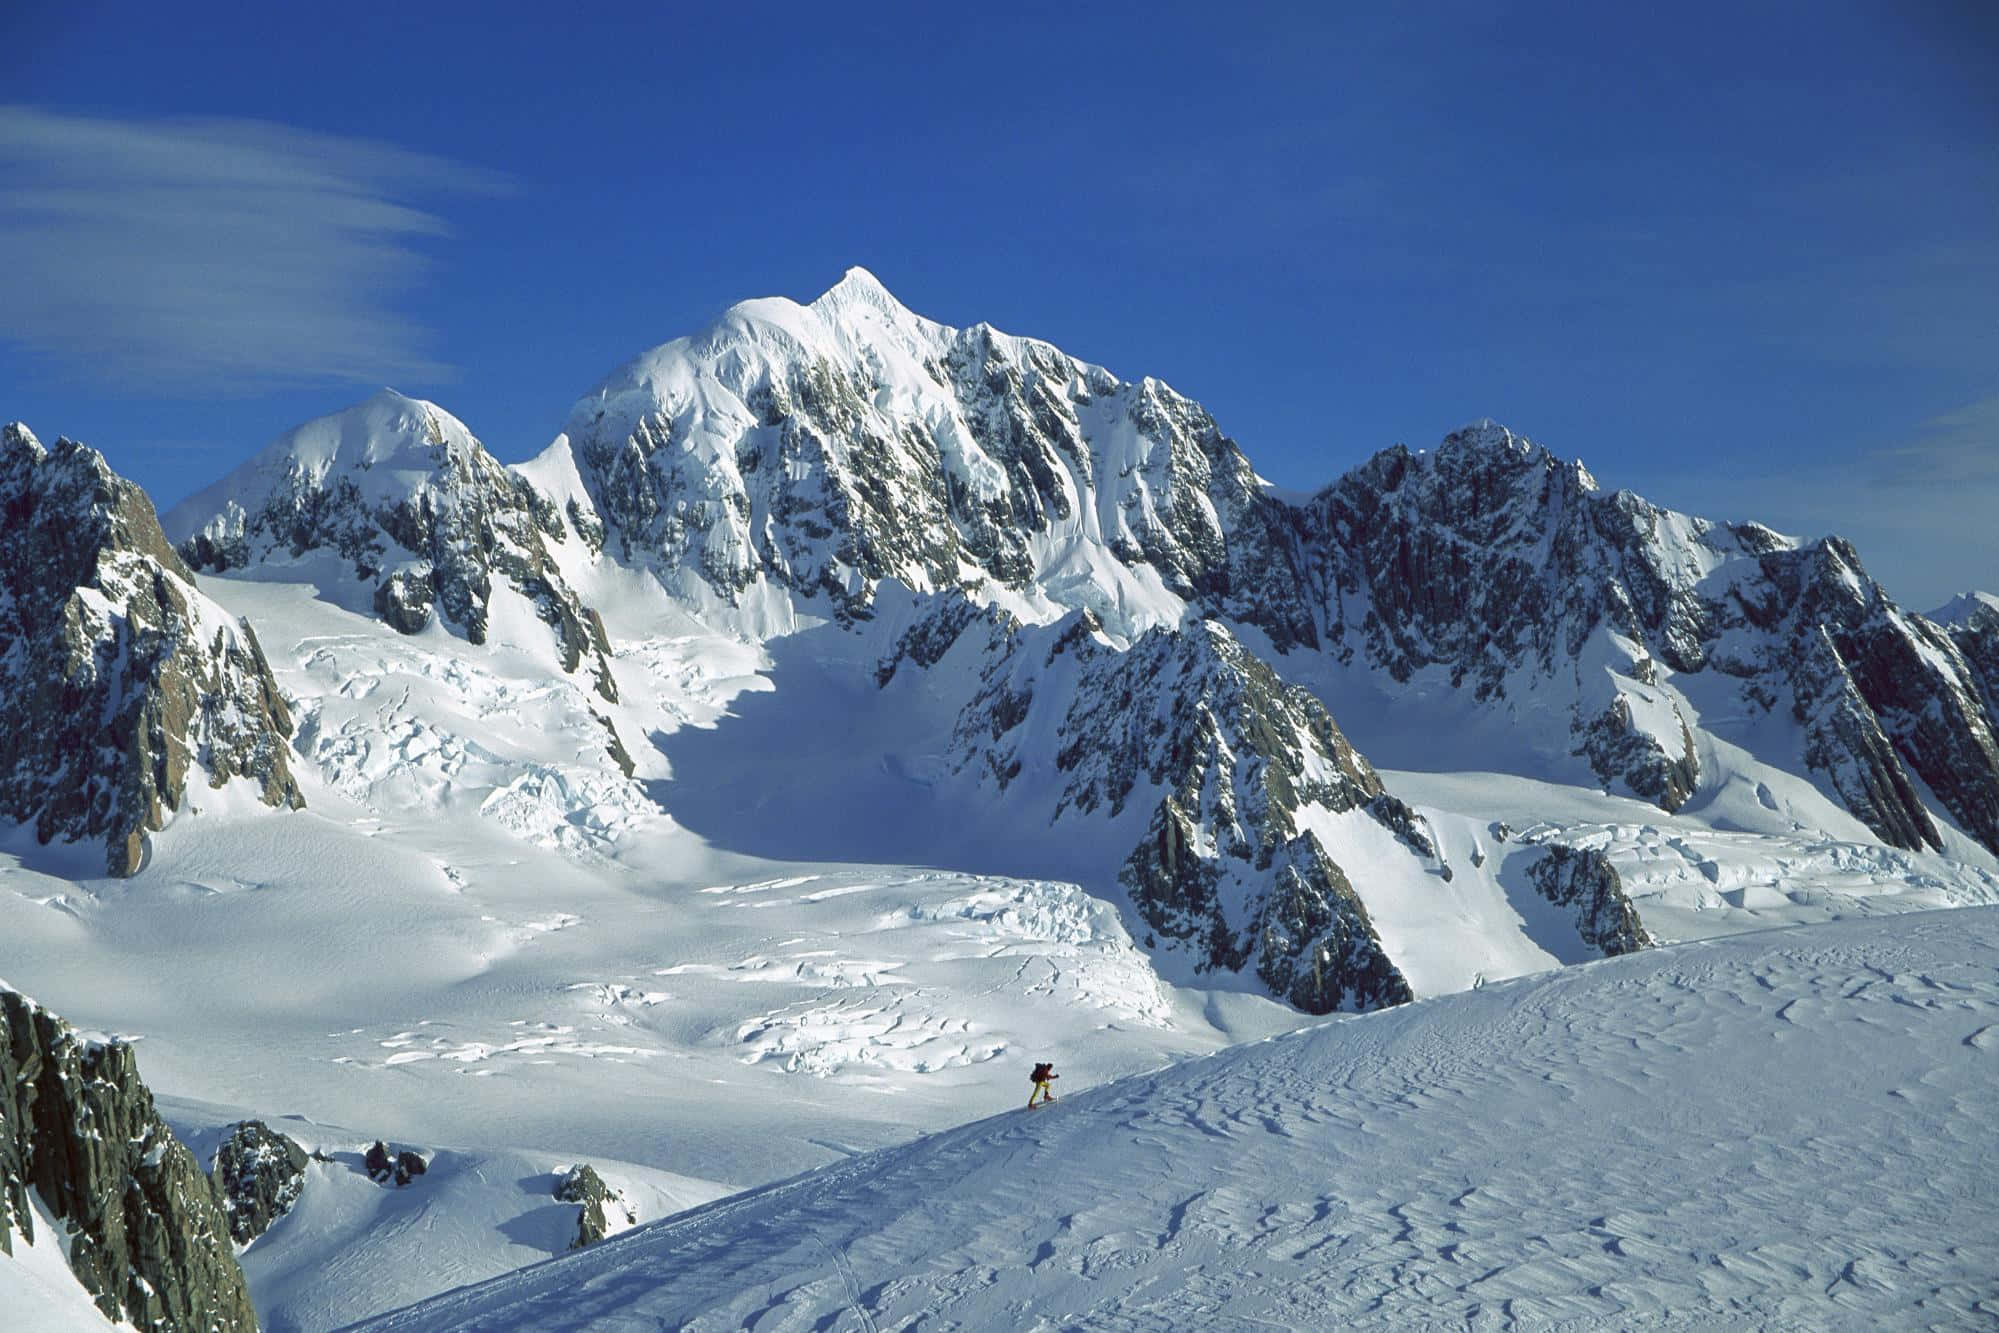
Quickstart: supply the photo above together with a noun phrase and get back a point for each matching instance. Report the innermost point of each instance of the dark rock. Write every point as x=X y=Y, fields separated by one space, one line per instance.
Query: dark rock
x=1414 y=831
x=406 y=597
x=121 y=676
x=409 y=1166
x=604 y=1210
x=259 y=1174
x=146 y=1237
x=1584 y=878
x=1618 y=750
x=614 y=745
x=1492 y=560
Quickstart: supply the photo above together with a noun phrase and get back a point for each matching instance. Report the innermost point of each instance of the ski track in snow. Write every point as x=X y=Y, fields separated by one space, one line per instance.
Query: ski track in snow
x=1796 y=1130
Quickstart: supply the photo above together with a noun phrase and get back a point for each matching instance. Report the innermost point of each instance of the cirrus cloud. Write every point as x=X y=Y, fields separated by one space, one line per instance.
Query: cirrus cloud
x=206 y=256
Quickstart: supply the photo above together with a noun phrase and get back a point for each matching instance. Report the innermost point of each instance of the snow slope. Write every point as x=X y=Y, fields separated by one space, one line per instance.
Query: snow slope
x=1779 y=1130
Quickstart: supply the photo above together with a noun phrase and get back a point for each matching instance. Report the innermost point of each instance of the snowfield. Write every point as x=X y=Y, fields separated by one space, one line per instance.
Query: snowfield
x=1794 y=1129
x=480 y=941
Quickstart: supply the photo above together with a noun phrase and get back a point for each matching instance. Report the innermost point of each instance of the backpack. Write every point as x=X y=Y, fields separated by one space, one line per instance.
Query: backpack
x=1040 y=1073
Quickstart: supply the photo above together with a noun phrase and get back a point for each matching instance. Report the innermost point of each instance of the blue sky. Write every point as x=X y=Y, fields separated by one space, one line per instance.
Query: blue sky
x=1740 y=258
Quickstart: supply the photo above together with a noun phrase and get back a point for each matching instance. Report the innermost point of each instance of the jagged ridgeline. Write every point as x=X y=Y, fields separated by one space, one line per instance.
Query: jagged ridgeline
x=792 y=459
x=1124 y=616
x=143 y=1231
x=120 y=678
x=805 y=454
x=1495 y=565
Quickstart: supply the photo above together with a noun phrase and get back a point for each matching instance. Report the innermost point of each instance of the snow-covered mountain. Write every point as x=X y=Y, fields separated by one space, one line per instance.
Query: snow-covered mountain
x=428 y=520
x=790 y=458
x=846 y=710
x=784 y=465
x=1494 y=565
x=120 y=680
x=1247 y=780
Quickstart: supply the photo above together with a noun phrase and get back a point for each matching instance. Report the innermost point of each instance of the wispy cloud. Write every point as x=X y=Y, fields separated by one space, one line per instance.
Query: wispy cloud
x=206 y=256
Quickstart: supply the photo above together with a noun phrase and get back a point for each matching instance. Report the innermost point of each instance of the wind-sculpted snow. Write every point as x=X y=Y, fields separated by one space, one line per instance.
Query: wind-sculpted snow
x=427 y=519
x=120 y=679
x=1775 y=1131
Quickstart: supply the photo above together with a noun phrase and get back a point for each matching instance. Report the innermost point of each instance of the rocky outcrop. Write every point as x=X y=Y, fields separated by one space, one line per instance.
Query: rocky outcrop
x=604 y=1211
x=120 y=679
x=1585 y=880
x=258 y=1175
x=1229 y=758
x=1847 y=638
x=144 y=1233
x=402 y=492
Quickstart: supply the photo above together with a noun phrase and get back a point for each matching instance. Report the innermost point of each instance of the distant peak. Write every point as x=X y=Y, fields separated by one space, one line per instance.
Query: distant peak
x=1966 y=607
x=16 y=435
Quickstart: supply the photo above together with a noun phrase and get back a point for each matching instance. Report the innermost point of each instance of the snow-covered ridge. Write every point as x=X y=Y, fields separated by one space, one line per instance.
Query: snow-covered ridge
x=788 y=460
x=805 y=453
x=1643 y=1142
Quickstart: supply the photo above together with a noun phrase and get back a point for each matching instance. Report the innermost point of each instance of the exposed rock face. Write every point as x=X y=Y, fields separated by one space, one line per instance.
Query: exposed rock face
x=402 y=491
x=1924 y=698
x=146 y=1237
x=1490 y=556
x=1974 y=626
x=1584 y=879
x=605 y=1211
x=821 y=449
x=119 y=676
x=1230 y=759
x=259 y=1174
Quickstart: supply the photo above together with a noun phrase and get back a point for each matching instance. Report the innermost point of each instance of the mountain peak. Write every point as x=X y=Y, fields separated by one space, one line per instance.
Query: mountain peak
x=1963 y=608
x=857 y=285
x=15 y=435
x=859 y=298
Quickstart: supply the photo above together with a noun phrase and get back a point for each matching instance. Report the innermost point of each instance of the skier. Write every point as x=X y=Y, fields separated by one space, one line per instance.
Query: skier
x=1043 y=1075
